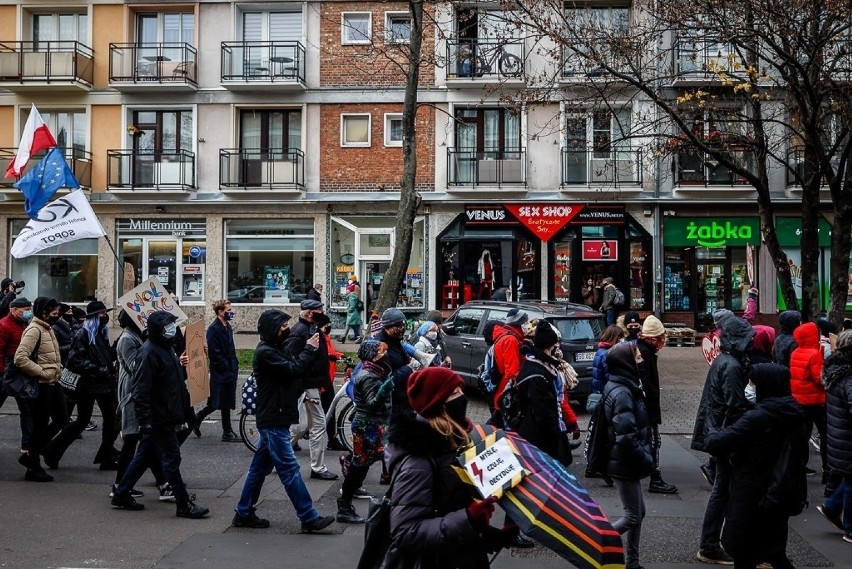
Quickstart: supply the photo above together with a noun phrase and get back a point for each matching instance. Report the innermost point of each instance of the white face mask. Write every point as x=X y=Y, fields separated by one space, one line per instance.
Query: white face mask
x=433 y=335
x=170 y=330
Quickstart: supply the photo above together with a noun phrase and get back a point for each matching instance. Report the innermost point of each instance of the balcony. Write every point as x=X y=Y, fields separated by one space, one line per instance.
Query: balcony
x=695 y=169
x=141 y=171
x=263 y=65
x=796 y=161
x=80 y=162
x=580 y=69
x=703 y=62
x=621 y=168
x=471 y=61
x=153 y=67
x=502 y=169
x=46 y=66
x=247 y=170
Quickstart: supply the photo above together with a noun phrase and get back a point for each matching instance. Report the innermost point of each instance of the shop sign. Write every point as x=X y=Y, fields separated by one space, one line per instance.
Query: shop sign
x=487 y=214
x=600 y=250
x=162 y=227
x=545 y=220
x=345 y=269
x=789 y=231
x=711 y=232
x=601 y=215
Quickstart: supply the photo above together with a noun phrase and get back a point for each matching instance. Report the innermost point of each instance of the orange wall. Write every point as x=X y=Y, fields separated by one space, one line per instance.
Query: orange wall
x=106 y=135
x=107 y=27
x=8 y=23
x=7 y=127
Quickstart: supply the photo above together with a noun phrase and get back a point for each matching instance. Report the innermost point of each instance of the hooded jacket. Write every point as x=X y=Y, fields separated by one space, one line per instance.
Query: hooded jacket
x=837 y=374
x=507 y=356
x=278 y=373
x=723 y=398
x=160 y=397
x=600 y=373
x=628 y=427
x=806 y=366
x=127 y=350
x=537 y=387
x=784 y=343
x=649 y=373
x=764 y=338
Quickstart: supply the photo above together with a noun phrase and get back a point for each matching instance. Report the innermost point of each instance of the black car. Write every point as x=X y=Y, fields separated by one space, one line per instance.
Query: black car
x=580 y=326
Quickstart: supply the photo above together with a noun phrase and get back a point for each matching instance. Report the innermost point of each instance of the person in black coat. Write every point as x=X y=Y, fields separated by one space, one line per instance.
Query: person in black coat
x=629 y=432
x=393 y=334
x=314 y=293
x=160 y=403
x=755 y=532
x=784 y=345
x=224 y=370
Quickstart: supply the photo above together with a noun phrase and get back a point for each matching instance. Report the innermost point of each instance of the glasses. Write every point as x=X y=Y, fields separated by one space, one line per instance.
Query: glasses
x=400 y=325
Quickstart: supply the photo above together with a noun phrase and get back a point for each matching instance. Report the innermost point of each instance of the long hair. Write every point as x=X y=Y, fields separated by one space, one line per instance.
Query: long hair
x=454 y=433
x=93 y=327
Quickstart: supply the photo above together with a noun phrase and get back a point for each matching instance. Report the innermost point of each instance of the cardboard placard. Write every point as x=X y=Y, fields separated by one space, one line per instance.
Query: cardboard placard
x=147 y=298
x=495 y=469
x=198 y=380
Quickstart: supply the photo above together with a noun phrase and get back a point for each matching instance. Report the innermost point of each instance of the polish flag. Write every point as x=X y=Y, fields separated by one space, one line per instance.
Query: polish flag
x=36 y=137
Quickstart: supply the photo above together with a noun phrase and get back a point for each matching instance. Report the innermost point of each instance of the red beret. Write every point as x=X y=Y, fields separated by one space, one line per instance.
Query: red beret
x=430 y=387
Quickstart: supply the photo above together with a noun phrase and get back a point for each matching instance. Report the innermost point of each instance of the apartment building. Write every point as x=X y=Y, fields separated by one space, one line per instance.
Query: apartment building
x=246 y=150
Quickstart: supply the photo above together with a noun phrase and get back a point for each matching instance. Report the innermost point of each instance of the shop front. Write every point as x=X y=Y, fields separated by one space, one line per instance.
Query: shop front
x=789 y=230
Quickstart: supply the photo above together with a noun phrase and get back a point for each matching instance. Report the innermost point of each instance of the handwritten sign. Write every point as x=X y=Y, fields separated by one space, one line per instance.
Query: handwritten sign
x=198 y=381
x=495 y=469
x=148 y=298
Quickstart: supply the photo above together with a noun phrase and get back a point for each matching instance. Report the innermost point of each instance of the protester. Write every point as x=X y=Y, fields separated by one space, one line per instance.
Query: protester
x=826 y=331
x=64 y=332
x=9 y=292
x=600 y=373
x=427 y=342
x=508 y=339
x=278 y=390
x=608 y=301
x=806 y=364
x=314 y=293
x=629 y=431
x=224 y=369
x=12 y=326
x=632 y=324
x=755 y=532
x=788 y=321
x=401 y=363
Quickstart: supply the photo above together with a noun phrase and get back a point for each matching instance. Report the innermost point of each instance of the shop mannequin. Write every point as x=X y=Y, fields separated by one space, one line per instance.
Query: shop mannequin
x=485 y=270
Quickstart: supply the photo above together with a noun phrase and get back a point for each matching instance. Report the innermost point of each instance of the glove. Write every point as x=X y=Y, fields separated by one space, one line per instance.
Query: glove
x=753 y=293
x=479 y=513
x=386 y=388
x=575 y=431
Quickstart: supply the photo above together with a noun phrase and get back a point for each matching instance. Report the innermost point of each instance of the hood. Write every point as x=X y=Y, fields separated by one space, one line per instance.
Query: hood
x=770 y=380
x=789 y=320
x=605 y=345
x=721 y=316
x=737 y=336
x=269 y=323
x=621 y=362
x=764 y=339
x=498 y=329
x=157 y=323
x=807 y=335
x=837 y=367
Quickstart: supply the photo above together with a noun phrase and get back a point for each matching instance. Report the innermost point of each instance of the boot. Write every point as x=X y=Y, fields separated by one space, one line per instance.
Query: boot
x=346 y=513
x=659 y=486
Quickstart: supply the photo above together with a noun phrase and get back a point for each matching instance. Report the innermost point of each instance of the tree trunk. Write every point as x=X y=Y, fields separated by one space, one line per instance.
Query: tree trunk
x=409 y=200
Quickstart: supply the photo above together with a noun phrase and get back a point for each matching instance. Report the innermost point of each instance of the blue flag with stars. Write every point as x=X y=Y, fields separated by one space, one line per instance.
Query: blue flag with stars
x=40 y=183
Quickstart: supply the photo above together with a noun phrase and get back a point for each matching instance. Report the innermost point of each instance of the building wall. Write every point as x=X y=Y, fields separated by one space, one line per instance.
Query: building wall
x=7 y=132
x=109 y=25
x=9 y=22
x=106 y=134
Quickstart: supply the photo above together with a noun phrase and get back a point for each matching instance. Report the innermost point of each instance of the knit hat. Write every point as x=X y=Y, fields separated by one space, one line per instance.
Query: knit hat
x=392 y=317
x=632 y=317
x=429 y=388
x=20 y=302
x=516 y=317
x=844 y=341
x=368 y=350
x=376 y=325
x=652 y=327
x=78 y=313
x=607 y=280
x=545 y=335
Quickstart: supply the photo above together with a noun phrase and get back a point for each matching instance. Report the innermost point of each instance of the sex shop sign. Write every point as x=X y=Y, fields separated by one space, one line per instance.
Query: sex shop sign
x=544 y=220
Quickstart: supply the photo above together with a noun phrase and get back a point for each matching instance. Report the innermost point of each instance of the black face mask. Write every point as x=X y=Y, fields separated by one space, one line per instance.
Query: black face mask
x=68 y=318
x=633 y=333
x=104 y=320
x=283 y=335
x=457 y=410
x=52 y=320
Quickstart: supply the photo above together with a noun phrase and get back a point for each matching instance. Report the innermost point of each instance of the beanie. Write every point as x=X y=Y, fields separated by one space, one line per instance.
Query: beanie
x=429 y=388
x=368 y=350
x=653 y=327
x=392 y=317
x=545 y=335
x=632 y=317
x=844 y=342
x=516 y=317
x=376 y=325
x=20 y=302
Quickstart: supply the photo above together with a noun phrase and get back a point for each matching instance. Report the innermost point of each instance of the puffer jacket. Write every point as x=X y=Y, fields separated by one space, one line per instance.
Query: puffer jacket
x=806 y=363
x=837 y=375
x=371 y=402
x=600 y=373
x=784 y=343
x=723 y=398
x=47 y=365
x=507 y=356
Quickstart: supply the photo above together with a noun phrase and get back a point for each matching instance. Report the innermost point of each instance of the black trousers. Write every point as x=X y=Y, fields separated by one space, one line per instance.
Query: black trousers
x=40 y=408
x=85 y=405
x=815 y=416
x=128 y=451
x=161 y=441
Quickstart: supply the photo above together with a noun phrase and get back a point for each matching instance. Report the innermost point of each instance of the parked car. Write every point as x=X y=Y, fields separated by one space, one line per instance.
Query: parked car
x=250 y=294
x=581 y=328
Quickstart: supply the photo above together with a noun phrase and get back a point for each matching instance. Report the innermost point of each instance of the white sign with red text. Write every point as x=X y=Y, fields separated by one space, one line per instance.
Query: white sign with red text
x=495 y=469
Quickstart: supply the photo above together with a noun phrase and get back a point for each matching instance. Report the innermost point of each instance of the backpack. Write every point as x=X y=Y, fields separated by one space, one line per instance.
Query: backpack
x=619 y=299
x=512 y=404
x=597 y=441
x=350 y=385
x=487 y=374
x=788 y=483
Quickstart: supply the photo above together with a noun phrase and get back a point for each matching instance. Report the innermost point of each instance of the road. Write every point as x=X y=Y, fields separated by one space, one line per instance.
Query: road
x=69 y=523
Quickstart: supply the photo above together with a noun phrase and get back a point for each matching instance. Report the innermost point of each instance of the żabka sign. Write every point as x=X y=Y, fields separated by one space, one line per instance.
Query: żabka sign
x=545 y=220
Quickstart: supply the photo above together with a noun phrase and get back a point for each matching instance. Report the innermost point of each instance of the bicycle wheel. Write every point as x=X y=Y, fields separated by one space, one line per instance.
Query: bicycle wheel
x=249 y=432
x=510 y=65
x=344 y=425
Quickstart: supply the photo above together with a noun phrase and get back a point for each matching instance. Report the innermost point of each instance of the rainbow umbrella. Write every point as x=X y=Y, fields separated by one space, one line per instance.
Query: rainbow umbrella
x=549 y=505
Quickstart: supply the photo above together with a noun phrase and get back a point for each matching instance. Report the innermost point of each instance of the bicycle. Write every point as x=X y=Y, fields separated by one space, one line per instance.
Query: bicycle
x=340 y=421
x=484 y=58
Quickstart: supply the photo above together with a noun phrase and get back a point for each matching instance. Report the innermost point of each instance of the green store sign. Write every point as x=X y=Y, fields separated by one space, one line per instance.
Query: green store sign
x=789 y=230
x=711 y=232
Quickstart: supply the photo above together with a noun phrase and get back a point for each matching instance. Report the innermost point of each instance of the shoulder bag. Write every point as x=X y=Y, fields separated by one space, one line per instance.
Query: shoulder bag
x=69 y=379
x=17 y=382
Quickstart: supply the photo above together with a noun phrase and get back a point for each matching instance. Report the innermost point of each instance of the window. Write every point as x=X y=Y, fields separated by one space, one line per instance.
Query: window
x=491 y=131
x=355 y=28
x=269 y=261
x=273 y=130
x=467 y=320
x=60 y=27
x=397 y=27
x=355 y=130
x=393 y=130
x=69 y=128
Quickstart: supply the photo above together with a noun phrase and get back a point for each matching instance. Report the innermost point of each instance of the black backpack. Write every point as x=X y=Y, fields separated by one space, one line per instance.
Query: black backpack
x=597 y=441
x=513 y=405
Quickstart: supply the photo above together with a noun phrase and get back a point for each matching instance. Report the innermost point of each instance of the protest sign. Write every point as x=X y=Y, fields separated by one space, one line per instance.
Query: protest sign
x=494 y=469
x=147 y=298
x=197 y=379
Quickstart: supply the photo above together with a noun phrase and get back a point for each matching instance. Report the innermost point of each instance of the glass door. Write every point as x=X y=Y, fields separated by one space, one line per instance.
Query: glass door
x=711 y=267
x=373 y=273
x=162 y=263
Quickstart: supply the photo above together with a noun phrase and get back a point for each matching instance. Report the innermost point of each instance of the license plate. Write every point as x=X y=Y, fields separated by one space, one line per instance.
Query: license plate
x=584 y=356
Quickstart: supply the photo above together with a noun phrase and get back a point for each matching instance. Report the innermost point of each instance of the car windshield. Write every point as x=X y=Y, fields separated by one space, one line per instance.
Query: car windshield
x=579 y=329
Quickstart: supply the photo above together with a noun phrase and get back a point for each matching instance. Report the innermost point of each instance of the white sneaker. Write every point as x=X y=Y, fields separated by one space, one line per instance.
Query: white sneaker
x=166 y=493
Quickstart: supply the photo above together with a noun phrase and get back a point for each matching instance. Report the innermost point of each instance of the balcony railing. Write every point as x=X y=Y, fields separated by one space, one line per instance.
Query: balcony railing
x=698 y=169
x=471 y=167
x=79 y=160
x=481 y=59
x=263 y=61
x=615 y=168
x=46 y=62
x=704 y=59
x=579 y=68
x=153 y=63
x=262 y=168
x=151 y=170
x=796 y=161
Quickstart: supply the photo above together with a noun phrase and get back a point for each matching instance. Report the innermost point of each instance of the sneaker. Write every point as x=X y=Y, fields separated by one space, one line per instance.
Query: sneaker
x=317 y=524
x=847 y=537
x=126 y=503
x=360 y=493
x=661 y=487
x=835 y=519
x=192 y=511
x=133 y=492
x=714 y=556
x=91 y=426
x=166 y=493
x=37 y=475
x=231 y=437
x=809 y=471
x=252 y=521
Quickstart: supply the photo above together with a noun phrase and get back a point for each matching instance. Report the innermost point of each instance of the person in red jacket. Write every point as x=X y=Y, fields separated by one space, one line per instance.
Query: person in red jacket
x=507 y=349
x=11 y=328
x=806 y=384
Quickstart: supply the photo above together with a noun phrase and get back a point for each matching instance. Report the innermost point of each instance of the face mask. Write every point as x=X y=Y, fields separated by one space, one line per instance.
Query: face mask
x=68 y=318
x=432 y=335
x=633 y=333
x=229 y=315
x=52 y=319
x=457 y=410
x=105 y=320
x=27 y=315
x=170 y=330
x=284 y=334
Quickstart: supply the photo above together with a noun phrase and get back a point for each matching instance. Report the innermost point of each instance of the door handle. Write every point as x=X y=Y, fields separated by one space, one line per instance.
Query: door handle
x=465 y=344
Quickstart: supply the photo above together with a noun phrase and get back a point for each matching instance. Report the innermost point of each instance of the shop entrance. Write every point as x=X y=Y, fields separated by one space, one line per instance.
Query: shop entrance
x=373 y=274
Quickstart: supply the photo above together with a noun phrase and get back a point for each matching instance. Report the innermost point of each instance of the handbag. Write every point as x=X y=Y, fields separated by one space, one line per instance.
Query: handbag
x=592 y=401
x=69 y=379
x=17 y=382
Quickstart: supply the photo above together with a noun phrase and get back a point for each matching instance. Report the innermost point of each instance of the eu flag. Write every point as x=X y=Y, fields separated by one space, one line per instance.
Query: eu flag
x=40 y=183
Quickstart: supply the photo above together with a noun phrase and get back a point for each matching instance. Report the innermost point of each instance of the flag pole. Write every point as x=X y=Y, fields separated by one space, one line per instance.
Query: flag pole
x=114 y=254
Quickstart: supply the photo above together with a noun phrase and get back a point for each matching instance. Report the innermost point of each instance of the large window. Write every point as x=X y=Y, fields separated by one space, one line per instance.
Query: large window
x=68 y=273
x=269 y=262
x=60 y=27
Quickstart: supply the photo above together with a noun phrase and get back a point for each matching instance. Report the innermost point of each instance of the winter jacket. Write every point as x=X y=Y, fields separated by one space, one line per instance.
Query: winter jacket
x=312 y=294
x=11 y=329
x=600 y=373
x=542 y=424
x=806 y=366
x=5 y=302
x=65 y=336
x=837 y=374
x=723 y=398
x=507 y=356
x=94 y=362
x=649 y=374
x=784 y=343
x=608 y=297
x=626 y=419
x=224 y=366
x=47 y=365
x=160 y=397
x=371 y=401
x=315 y=376
x=400 y=370
x=278 y=374
x=353 y=316
x=127 y=351
x=429 y=500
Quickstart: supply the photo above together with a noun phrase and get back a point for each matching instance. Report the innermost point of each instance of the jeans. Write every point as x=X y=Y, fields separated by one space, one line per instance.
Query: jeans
x=25 y=407
x=128 y=451
x=656 y=441
x=356 y=331
x=841 y=500
x=312 y=420
x=161 y=440
x=630 y=524
x=276 y=451
x=714 y=515
x=610 y=316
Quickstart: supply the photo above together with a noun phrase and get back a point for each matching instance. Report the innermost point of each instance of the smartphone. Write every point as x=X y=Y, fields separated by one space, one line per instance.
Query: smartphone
x=312 y=330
